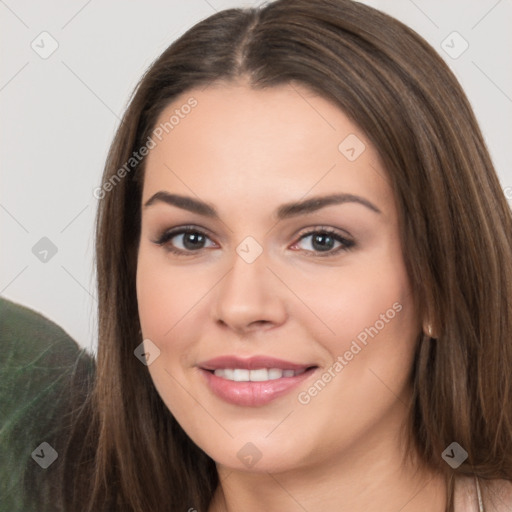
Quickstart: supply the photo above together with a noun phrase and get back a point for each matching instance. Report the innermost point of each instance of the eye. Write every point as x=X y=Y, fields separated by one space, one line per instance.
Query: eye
x=326 y=241
x=184 y=240
x=187 y=240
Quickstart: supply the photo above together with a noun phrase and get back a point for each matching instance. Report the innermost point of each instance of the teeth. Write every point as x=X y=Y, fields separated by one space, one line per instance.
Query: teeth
x=259 y=375
x=240 y=375
x=275 y=373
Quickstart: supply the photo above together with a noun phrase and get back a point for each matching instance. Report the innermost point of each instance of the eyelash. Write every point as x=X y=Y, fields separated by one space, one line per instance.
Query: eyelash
x=163 y=240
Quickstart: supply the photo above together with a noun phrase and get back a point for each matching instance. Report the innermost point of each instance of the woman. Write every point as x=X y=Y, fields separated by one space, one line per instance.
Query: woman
x=305 y=276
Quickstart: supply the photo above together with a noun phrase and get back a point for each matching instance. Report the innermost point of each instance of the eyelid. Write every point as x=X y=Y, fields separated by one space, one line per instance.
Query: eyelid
x=167 y=234
x=318 y=227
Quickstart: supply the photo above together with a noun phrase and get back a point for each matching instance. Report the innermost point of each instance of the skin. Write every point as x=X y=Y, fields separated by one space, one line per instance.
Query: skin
x=247 y=152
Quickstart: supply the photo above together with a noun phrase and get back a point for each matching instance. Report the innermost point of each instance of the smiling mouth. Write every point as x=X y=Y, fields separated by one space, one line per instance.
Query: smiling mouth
x=254 y=387
x=253 y=381
x=257 y=375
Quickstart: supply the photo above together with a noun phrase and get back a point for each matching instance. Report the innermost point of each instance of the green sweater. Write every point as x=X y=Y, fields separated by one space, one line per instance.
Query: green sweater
x=36 y=365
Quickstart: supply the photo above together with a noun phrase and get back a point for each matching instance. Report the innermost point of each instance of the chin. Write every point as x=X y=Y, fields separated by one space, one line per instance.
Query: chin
x=259 y=455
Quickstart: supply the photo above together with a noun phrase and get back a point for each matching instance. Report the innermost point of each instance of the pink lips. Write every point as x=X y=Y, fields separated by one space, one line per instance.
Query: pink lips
x=252 y=394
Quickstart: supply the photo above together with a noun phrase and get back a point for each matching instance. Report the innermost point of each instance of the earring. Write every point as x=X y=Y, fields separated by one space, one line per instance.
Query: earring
x=430 y=334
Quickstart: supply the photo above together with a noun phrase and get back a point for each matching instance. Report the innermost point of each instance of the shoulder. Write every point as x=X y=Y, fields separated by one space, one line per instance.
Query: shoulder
x=24 y=333
x=465 y=495
x=496 y=495
x=32 y=345
x=40 y=363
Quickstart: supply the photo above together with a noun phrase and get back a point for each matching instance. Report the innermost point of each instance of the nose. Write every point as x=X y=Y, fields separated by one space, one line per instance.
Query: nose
x=250 y=297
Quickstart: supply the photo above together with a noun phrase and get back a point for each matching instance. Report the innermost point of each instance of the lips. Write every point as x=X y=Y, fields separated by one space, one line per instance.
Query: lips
x=253 y=381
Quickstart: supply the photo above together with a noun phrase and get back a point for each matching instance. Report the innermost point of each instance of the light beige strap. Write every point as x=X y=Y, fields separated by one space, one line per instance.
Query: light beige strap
x=479 y=495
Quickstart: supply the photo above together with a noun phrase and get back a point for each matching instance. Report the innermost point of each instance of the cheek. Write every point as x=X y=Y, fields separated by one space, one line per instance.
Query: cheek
x=165 y=298
x=156 y=302
x=173 y=312
x=349 y=302
x=165 y=295
x=368 y=329
x=370 y=309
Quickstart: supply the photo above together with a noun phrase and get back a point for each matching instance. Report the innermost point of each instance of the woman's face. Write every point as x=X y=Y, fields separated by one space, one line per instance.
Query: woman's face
x=290 y=281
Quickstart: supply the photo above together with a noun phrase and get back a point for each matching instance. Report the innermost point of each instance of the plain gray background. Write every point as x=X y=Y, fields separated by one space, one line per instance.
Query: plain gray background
x=59 y=113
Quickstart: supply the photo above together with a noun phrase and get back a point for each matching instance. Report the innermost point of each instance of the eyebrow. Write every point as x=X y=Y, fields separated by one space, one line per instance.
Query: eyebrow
x=285 y=211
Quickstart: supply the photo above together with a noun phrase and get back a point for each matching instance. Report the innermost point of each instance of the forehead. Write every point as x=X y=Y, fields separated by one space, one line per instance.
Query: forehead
x=281 y=142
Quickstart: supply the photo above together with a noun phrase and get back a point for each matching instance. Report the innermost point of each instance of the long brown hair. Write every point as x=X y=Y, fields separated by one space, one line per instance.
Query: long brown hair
x=127 y=451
